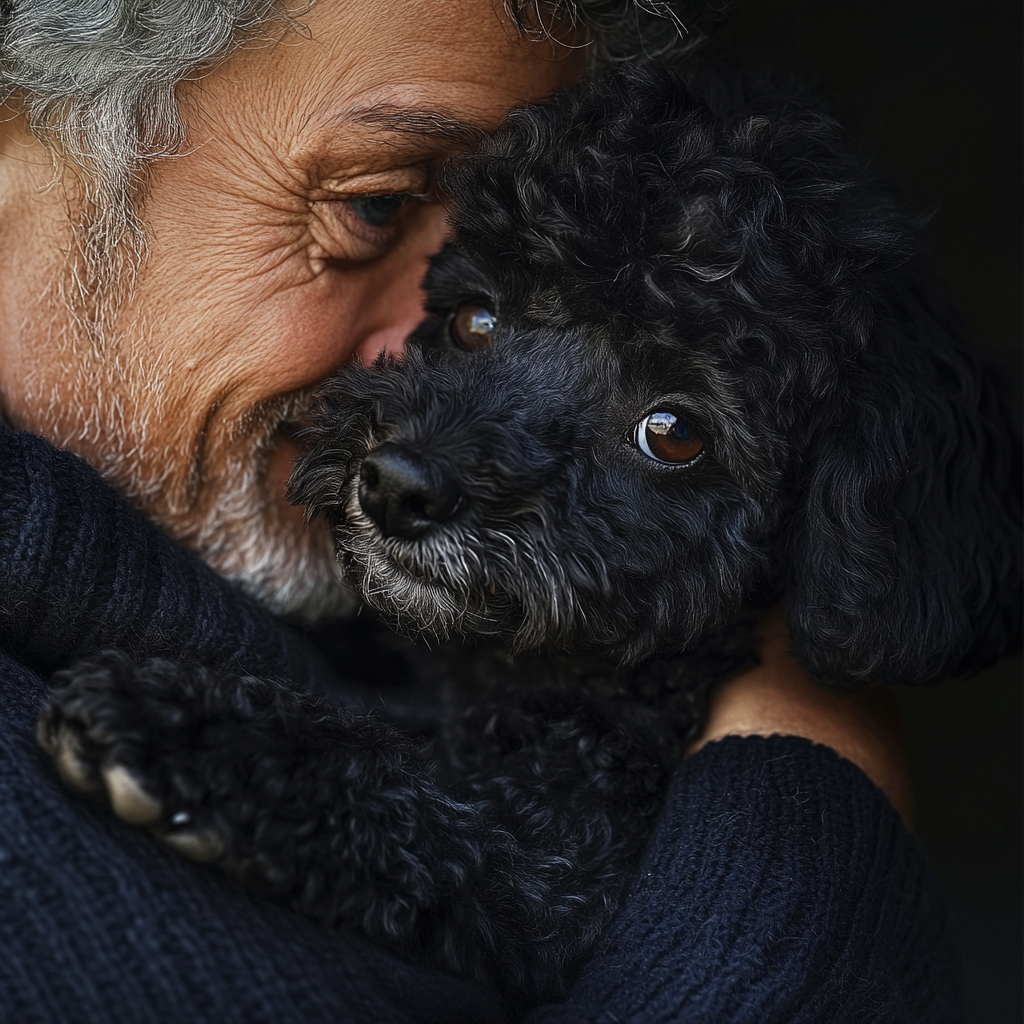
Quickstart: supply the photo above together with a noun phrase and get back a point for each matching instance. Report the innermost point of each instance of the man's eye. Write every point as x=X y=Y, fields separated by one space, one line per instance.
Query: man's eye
x=378 y=211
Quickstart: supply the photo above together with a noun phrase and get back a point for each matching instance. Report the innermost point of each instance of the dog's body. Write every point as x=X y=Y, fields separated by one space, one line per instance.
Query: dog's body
x=681 y=356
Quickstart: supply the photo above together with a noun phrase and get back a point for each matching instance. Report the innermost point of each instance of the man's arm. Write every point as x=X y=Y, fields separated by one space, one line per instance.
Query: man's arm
x=781 y=886
x=777 y=698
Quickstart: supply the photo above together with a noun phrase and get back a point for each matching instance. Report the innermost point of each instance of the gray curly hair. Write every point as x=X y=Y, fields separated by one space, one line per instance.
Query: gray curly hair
x=95 y=80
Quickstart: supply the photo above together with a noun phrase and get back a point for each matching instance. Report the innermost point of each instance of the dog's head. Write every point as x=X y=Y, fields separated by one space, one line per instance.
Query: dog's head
x=677 y=354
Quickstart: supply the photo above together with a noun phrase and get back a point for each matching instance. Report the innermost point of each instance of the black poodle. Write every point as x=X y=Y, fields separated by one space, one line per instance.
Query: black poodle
x=682 y=359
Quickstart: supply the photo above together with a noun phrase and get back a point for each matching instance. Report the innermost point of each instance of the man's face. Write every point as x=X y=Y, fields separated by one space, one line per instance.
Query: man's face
x=290 y=234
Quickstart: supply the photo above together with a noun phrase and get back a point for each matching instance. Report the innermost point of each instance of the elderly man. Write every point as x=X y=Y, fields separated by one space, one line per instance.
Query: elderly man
x=206 y=208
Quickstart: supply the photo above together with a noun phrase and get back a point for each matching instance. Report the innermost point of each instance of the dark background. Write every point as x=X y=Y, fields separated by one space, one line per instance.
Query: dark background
x=932 y=90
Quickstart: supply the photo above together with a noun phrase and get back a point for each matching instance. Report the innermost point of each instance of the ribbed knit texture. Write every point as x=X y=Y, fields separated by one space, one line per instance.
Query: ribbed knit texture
x=83 y=570
x=780 y=885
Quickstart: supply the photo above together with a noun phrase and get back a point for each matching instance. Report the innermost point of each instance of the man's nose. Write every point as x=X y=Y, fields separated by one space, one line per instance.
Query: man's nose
x=403 y=494
x=395 y=301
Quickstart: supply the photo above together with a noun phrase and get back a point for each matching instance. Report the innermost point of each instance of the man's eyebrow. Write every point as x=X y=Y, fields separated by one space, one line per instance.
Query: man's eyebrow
x=418 y=121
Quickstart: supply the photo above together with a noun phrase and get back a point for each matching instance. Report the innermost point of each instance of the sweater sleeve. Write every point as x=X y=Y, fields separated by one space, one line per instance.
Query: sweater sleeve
x=781 y=886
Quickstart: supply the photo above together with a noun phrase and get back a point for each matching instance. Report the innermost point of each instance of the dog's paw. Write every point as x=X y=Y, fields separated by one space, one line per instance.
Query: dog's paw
x=292 y=797
x=135 y=736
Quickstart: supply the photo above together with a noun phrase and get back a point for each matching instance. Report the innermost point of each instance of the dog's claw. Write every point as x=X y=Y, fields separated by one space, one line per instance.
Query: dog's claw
x=45 y=735
x=74 y=769
x=84 y=753
x=203 y=845
x=128 y=796
x=128 y=799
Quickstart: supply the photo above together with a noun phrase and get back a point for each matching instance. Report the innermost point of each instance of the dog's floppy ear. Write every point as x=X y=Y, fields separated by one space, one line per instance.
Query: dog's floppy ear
x=904 y=555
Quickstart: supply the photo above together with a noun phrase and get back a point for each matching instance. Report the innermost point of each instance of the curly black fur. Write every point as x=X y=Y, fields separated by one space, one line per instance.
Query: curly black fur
x=713 y=246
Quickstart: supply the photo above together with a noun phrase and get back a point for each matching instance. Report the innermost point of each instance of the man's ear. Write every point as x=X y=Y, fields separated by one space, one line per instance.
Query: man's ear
x=904 y=557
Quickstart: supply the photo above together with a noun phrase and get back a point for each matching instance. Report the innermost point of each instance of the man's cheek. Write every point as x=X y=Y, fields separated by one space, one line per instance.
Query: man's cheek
x=300 y=334
x=247 y=316
x=252 y=316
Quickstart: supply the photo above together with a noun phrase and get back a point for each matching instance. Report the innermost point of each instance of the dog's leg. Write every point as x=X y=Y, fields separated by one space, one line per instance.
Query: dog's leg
x=340 y=816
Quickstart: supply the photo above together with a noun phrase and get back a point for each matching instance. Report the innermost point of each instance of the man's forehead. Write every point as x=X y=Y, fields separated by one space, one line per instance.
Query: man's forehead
x=457 y=108
x=446 y=69
x=400 y=123
x=441 y=125
x=419 y=119
x=422 y=76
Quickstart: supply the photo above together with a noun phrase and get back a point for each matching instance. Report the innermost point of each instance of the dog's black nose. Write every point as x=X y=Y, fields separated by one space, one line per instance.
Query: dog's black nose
x=403 y=494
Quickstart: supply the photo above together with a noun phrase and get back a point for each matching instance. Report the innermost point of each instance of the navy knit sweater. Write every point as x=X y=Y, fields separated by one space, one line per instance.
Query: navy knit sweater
x=780 y=885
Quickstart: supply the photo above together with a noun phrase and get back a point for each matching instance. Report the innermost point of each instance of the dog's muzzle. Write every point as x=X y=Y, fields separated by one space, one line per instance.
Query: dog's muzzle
x=405 y=494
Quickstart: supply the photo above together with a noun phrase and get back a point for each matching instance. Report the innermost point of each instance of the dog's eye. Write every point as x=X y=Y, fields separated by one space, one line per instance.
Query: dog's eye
x=471 y=327
x=666 y=437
